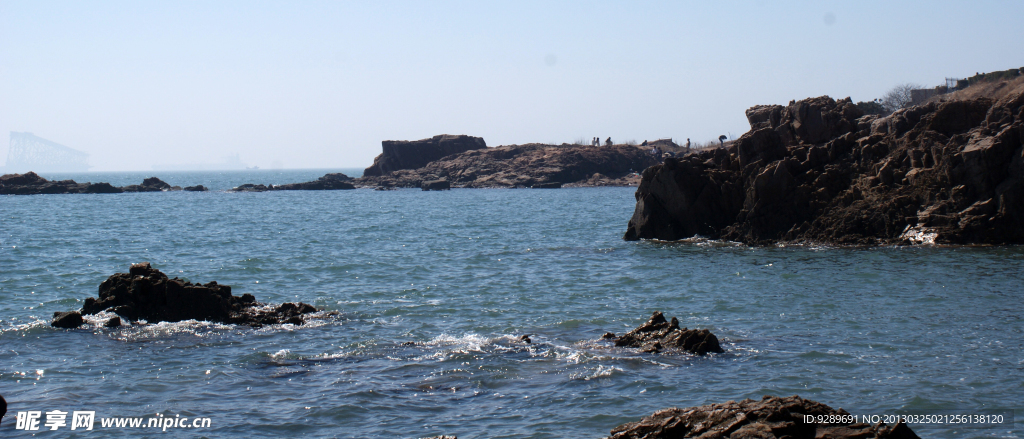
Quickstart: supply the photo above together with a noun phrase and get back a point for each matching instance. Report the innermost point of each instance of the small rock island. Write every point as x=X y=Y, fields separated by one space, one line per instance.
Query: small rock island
x=145 y=293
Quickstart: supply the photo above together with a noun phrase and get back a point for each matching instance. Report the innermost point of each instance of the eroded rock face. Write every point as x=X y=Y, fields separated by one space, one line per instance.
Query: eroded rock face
x=144 y=293
x=771 y=417
x=658 y=334
x=531 y=165
x=402 y=154
x=816 y=171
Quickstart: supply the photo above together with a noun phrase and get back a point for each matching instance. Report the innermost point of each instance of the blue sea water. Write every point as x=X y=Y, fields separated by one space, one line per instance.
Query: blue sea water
x=462 y=274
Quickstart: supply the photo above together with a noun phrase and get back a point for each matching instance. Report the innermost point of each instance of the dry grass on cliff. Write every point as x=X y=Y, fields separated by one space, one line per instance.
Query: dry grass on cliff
x=994 y=90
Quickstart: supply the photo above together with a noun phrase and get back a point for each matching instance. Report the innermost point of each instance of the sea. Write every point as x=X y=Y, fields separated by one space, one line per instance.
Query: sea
x=425 y=298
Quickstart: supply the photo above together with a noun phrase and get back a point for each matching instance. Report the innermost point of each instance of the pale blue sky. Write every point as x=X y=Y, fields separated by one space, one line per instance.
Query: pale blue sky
x=320 y=84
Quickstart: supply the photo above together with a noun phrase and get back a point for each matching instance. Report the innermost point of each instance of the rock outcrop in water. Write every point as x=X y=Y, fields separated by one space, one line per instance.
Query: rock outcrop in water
x=329 y=182
x=145 y=293
x=531 y=165
x=403 y=154
x=817 y=171
x=435 y=185
x=771 y=417
x=151 y=184
x=658 y=334
x=30 y=183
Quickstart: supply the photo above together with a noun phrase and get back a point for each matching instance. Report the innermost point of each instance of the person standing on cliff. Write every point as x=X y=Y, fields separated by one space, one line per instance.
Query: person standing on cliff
x=687 y=144
x=608 y=142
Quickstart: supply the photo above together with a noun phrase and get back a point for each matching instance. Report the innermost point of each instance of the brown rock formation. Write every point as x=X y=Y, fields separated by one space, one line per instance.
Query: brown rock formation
x=817 y=171
x=401 y=154
x=771 y=417
x=658 y=334
x=144 y=293
x=526 y=166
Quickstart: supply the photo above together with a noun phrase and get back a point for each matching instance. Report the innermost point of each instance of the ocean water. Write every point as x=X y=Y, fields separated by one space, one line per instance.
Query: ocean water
x=461 y=275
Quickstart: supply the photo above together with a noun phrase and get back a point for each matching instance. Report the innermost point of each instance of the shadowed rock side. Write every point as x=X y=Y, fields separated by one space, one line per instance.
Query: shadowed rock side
x=30 y=183
x=531 y=165
x=335 y=181
x=658 y=334
x=817 y=171
x=144 y=293
x=771 y=417
x=403 y=154
x=435 y=185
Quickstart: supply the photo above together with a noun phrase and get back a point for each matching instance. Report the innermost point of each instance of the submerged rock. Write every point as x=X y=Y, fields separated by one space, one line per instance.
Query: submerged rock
x=658 y=334
x=67 y=320
x=144 y=293
x=771 y=417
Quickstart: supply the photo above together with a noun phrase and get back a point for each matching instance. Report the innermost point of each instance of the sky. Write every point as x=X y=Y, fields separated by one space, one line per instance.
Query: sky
x=319 y=84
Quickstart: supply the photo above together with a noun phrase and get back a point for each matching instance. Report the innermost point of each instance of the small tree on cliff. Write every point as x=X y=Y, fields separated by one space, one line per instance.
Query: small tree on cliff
x=898 y=97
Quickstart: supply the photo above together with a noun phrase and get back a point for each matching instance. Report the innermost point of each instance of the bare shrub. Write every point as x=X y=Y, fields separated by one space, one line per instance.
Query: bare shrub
x=898 y=97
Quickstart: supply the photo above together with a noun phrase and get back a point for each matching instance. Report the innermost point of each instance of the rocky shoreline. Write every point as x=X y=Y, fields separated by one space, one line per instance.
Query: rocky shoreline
x=818 y=171
x=30 y=183
x=334 y=181
x=771 y=417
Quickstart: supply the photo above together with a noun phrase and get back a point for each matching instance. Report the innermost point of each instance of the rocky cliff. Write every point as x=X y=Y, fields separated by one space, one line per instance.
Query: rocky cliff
x=402 y=154
x=531 y=165
x=818 y=171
